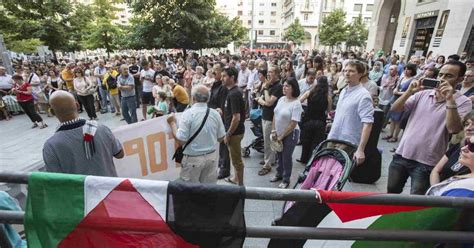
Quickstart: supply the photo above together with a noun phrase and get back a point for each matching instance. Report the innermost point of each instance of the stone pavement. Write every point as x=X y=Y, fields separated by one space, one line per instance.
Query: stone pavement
x=21 y=150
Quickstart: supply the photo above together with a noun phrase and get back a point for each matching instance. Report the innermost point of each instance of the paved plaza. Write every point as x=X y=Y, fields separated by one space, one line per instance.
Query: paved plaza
x=21 y=150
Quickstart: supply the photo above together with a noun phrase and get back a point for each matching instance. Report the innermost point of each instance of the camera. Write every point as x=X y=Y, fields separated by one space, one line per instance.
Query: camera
x=430 y=83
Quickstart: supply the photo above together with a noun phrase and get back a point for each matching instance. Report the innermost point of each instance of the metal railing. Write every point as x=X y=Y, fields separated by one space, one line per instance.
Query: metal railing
x=287 y=232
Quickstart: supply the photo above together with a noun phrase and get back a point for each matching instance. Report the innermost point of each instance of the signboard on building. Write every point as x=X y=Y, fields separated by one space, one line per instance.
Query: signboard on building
x=427 y=14
x=441 y=26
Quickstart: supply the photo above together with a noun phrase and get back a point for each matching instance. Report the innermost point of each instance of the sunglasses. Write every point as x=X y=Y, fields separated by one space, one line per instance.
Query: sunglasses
x=470 y=146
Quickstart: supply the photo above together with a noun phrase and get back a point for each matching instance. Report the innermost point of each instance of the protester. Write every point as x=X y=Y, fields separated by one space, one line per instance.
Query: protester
x=314 y=118
x=387 y=86
x=126 y=86
x=146 y=79
x=285 y=130
x=376 y=73
x=396 y=116
x=85 y=88
x=6 y=85
x=24 y=96
x=200 y=156
x=79 y=146
x=448 y=165
x=234 y=117
x=110 y=80
x=181 y=98
x=355 y=107
x=217 y=102
x=272 y=90
x=435 y=114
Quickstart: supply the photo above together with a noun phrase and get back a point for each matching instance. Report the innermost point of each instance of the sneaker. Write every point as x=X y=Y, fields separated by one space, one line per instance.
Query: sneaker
x=276 y=179
x=283 y=185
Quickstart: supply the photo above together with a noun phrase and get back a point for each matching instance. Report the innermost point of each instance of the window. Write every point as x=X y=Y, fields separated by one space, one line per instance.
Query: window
x=274 y=4
x=367 y=20
x=249 y=22
x=261 y=22
x=358 y=7
x=240 y=12
x=369 y=7
x=261 y=13
x=250 y=13
x=354 y=19
x=305 y=17
x=273 y=13
x=272 y=32
x=260 y=32
x=273 y=21
x=261 y=4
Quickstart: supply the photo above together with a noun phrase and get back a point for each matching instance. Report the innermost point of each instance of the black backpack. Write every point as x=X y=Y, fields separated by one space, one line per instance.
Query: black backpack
x=112 y=82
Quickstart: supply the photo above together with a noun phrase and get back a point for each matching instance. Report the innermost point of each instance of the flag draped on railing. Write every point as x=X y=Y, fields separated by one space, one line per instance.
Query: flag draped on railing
x=87 y=211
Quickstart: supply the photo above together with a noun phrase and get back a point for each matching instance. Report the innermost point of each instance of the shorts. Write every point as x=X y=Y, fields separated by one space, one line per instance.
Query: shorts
x=147 y=98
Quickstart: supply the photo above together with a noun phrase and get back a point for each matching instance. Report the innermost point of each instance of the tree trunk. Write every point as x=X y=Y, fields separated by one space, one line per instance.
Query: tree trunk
x=184 y=52
x=55 y=57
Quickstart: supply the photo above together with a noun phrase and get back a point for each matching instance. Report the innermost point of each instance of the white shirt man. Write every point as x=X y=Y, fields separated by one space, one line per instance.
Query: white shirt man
x=244 y=74
x=200 y=159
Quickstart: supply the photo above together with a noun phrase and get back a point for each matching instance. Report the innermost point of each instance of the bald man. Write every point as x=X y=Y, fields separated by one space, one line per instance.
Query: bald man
x=200 y=159
x=79 y=146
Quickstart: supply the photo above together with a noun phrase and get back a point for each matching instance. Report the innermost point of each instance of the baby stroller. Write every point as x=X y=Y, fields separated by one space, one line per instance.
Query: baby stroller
x=257 y=143
x=328 y=169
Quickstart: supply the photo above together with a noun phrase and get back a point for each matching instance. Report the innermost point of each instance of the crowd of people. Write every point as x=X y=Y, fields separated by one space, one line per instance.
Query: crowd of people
x=296 y=95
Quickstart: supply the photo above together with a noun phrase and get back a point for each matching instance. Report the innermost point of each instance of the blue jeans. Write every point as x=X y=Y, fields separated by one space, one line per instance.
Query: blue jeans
x=104 y=95
x=129 y=109
x=285 y=157
x=399 y=171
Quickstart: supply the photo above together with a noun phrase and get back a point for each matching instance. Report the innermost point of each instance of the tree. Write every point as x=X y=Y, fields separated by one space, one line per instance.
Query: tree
x=295 y=32
x=45 y=20
x=357 y=33
x=333 y=28
x=80 y=24
x=104 y=34
x=182 y=24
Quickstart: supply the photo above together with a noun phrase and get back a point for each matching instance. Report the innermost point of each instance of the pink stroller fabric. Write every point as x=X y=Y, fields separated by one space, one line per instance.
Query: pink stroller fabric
x=324 y=174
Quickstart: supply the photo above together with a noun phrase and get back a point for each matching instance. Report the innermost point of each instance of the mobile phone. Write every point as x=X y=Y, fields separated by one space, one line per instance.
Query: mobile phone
x=430 y=83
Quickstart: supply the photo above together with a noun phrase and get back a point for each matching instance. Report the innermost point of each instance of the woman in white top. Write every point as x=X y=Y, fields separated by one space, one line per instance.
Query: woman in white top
x=285 y=129
x=85 y=88
x=210 y=78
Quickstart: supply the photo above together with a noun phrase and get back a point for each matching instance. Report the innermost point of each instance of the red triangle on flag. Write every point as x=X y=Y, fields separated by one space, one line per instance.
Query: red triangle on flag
x=124 y=219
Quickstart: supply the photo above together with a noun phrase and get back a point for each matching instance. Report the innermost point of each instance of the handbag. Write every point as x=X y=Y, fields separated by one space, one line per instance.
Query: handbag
x=178 y=154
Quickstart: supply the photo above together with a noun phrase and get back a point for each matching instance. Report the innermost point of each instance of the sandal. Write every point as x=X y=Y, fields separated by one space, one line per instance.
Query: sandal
x=393 y=150
x=264 y=171
x=44 y=126
x=392 y=140
x=34 y=125
x=228 y=180
x=387 y=137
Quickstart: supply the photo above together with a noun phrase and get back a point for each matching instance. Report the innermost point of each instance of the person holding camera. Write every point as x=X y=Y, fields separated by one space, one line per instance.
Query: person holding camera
x=435 y=114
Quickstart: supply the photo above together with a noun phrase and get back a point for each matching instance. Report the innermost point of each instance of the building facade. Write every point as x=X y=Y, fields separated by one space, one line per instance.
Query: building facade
x=267 y=17
x=444 y=27
x=308 y=12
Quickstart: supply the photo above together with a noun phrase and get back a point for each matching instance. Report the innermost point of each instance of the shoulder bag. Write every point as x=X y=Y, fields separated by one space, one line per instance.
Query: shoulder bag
x=178 y=154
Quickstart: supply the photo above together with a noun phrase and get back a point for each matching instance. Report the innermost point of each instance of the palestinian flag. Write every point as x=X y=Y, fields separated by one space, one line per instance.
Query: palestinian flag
x=333 y=214
x=65 y=210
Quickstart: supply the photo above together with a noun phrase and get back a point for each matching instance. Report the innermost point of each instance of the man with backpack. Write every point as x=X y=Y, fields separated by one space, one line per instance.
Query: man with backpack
x=110 y=80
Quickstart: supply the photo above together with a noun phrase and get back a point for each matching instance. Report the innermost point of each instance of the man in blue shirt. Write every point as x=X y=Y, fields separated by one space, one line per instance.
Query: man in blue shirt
x=354 y=112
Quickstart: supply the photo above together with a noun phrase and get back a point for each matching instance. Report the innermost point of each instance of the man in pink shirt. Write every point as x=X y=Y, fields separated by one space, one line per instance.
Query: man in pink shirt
x=435 y=114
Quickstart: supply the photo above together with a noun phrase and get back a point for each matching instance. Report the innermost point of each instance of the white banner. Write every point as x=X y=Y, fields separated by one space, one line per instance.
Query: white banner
x=149 y=147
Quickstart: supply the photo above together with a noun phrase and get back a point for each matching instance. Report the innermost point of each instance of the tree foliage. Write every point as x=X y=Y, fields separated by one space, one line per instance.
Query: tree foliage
x=333 y=29
x=80 y=27
x=182 y=24
x=104 y=33
x=295 y=32
x=44 y=20
x=357 y=33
